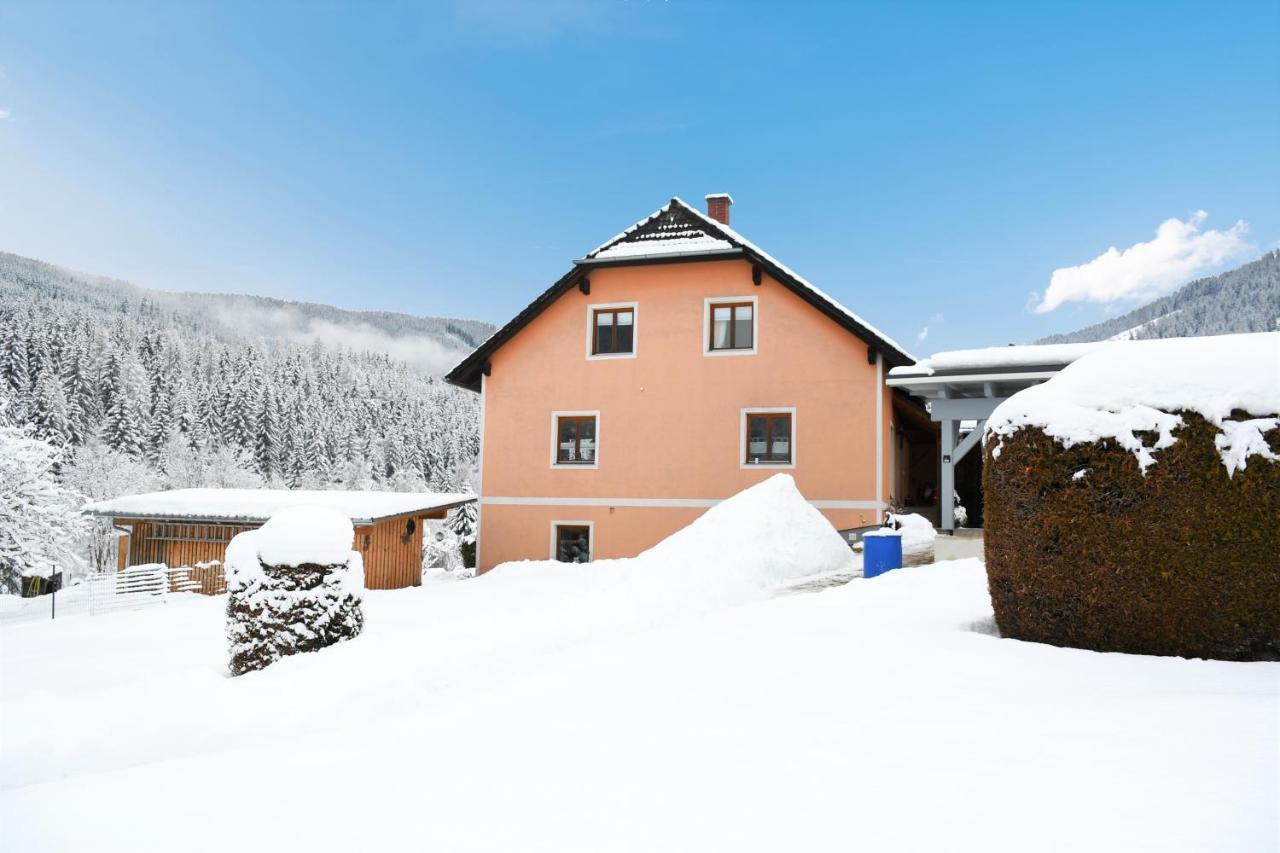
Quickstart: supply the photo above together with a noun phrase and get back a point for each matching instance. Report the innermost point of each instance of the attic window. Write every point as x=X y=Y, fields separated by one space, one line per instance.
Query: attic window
x=611 y=330
x=731 y=326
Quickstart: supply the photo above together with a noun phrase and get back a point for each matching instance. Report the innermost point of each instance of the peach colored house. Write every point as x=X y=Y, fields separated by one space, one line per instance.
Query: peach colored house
x=670 y=368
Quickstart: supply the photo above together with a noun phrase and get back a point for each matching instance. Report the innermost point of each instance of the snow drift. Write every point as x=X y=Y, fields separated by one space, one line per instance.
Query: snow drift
x=761 y=537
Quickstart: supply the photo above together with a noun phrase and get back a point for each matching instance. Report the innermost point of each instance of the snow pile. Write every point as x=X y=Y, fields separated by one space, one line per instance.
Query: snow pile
x=917 y=534
x=294 y=586
x=762 y=537
x=1130 y=393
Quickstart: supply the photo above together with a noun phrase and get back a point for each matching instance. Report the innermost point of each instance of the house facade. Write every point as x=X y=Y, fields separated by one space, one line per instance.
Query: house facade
x=672 y=367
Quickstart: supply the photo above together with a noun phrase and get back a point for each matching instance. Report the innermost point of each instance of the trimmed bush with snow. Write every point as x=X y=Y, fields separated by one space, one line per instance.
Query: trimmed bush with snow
x=1132 y=501
x=295 y=586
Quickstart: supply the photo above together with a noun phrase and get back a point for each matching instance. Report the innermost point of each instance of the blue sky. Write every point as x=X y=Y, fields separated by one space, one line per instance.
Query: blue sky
x=929 y=165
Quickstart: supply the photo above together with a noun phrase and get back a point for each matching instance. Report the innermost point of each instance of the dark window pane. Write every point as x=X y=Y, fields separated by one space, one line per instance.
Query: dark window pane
x=573 y=544
x=757 y=438
x=587 y=440
x=625 y=335
x=604 y=335
x=720 y=328
x=780 y=442
x=626 y=339
x=742 y=327
x=567 y=440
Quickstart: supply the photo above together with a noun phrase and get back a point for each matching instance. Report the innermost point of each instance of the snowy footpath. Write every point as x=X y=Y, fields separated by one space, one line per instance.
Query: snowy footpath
x=561 y=710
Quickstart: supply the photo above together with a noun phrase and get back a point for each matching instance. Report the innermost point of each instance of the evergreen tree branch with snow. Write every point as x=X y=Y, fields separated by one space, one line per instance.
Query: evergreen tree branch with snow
x=40 y=519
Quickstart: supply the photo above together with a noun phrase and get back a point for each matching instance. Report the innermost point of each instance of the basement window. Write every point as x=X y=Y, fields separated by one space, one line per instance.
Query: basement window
x=571 y=542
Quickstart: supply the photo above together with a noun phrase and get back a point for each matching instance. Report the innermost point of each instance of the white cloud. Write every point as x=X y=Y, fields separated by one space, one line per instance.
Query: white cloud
x=924 y=331
x=1179 y=253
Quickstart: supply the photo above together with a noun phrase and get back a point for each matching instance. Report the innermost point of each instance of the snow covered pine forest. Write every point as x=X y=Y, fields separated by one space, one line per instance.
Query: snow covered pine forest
x=139 y=390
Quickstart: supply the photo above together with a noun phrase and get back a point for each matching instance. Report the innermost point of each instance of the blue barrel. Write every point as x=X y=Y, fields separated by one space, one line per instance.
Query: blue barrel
x=881 y=552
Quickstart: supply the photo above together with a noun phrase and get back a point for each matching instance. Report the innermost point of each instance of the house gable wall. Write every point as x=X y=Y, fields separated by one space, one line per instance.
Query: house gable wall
x=670 y=418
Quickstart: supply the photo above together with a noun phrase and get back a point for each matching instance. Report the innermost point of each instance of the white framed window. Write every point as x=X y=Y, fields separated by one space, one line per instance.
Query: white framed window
x=730 y=325
x=575 y=439
x=572 y=541
x=612 y=330
x=767 y=437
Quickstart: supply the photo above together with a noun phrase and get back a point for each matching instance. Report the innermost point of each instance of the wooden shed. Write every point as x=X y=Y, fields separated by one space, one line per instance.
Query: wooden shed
x=190 y=528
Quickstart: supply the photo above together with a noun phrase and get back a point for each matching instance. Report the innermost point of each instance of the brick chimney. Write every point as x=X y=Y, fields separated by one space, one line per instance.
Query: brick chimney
x=718 y=207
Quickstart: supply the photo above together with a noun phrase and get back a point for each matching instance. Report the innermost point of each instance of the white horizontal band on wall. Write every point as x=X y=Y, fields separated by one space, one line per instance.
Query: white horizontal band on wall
x=669 y=503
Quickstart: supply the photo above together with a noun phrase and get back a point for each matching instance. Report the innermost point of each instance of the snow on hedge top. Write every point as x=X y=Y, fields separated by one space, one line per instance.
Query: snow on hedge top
x=305 y=534
x=261 y=504
x=1127 y=388
x=991 y=358
x=295 y=536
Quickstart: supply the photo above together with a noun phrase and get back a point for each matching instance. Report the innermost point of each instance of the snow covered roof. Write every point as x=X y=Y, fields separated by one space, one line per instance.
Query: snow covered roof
x=255 y=505
x=674 y=232
x=988 y=359
x=1127 y=390
x=678 y=228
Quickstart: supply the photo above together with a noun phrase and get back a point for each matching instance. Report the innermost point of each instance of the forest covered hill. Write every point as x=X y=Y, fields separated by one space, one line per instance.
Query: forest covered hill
x=147 y=389
x=1246 y=299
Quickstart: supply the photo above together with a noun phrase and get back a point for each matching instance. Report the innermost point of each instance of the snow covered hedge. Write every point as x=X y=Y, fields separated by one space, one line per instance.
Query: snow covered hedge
x=1132 y=501
x=295 y=586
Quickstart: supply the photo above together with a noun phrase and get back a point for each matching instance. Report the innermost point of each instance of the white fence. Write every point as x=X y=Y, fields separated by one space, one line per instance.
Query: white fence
x=151 y=583
x=108 y=592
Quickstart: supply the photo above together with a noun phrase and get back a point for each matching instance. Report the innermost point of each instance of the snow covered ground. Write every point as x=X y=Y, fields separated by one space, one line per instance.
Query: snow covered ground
x=555 y=709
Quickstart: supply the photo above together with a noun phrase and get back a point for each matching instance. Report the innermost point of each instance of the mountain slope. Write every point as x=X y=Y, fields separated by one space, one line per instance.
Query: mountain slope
x=1240 y=300
x=148 y=390
x=432 y=344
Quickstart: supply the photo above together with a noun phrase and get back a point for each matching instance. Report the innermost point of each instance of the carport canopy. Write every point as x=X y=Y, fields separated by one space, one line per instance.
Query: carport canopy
x=967 y=385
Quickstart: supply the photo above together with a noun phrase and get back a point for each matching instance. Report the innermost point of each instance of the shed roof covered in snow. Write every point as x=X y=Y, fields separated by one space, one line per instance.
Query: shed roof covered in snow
x=676 y=232
x=257 y=505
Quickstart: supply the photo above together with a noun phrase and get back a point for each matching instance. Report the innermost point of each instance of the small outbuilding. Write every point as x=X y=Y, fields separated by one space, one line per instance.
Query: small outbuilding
x=190 y=528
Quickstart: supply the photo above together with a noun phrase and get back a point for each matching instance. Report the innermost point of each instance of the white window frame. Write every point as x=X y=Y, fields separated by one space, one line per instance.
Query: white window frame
x=555 y=439
x=710 y=302
x=591 y=330
x=591 y=537
x=742 y=437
